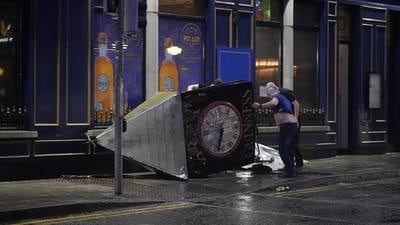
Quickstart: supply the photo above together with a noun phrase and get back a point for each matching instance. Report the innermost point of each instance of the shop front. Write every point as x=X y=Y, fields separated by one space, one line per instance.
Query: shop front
x=343 y=70
x=58 y=63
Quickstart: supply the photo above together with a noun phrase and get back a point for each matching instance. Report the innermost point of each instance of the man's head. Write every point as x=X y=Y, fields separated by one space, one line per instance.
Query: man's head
x=272 y=89
x=271 y=85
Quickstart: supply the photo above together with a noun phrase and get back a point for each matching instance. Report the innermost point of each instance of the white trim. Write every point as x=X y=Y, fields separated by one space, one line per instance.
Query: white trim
x=373 y=142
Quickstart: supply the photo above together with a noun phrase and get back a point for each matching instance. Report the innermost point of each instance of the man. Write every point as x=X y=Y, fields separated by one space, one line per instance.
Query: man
x=287 y=122
x=289 y=94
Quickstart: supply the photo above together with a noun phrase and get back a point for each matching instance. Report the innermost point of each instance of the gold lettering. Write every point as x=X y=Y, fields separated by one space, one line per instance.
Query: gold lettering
x=191 y=39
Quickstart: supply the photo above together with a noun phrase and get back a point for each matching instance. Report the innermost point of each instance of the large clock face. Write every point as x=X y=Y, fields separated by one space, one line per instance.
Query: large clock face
x=220 y=128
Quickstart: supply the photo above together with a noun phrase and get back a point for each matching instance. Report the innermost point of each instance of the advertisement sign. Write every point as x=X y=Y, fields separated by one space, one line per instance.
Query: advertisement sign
x=185 y=66
x=105 y=37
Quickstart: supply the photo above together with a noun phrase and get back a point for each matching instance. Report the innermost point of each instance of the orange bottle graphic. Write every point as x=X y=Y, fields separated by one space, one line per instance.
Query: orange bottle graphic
x=169 y=79
x=103 y=77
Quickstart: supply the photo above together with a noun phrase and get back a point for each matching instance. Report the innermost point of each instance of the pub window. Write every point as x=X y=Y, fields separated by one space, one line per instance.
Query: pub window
x=182 y=7
x=268 y=41
x=181 y=43
x=268 y=10
x=306 y=33
x=305 y=72
x=306 y=13
x=344 y=22
x=105 y=38
x=10 y=63
x=268 y=44
x=268 y=48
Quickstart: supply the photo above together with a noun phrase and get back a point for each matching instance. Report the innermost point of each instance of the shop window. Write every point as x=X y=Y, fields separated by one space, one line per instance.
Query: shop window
x=344 y=22
x=105 y=61
x=182 y=7
x=268 y=10
x=305 y=75
x=267 y=52
x=11 y=108
x=306 y=80
x=267 y=58
x=306 y=13
x=181 y=57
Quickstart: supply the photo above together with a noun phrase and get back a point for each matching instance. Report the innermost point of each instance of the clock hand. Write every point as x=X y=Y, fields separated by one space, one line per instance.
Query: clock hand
x=221 y=132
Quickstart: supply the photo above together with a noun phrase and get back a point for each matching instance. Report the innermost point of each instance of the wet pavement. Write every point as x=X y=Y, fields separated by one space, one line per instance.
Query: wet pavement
x=372 y=202
x=237 y=195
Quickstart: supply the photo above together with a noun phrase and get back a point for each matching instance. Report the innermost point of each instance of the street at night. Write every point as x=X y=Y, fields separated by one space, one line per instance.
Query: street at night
x=372 y=202
x=203 y=112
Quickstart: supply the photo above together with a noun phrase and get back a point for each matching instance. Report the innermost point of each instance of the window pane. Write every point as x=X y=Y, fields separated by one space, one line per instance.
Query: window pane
x=268 y=10
x=306 y=13
x=267 y=57
x=105 y=36
x=10 y=52
x=184 y=7
x=344 y=23
x=305 y=80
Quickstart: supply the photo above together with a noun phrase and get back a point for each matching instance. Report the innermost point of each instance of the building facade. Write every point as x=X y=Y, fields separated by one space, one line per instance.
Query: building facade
x=57 y=63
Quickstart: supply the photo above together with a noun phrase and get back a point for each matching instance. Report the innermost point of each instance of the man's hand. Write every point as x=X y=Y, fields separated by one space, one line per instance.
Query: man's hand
x=296 y=108
x=256 y=105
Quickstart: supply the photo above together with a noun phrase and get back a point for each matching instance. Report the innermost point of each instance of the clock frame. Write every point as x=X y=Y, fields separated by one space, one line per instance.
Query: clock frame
x=220 y=129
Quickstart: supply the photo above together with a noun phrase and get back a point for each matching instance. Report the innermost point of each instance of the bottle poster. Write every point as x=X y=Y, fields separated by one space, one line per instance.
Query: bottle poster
x=133 y=59
x=179 y=70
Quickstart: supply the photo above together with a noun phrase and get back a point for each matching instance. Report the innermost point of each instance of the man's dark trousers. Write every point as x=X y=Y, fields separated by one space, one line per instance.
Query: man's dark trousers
x=296 y=149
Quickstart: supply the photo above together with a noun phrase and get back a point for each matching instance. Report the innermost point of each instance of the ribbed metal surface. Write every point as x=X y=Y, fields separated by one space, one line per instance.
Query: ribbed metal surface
x=155 y=135
x=143 y=189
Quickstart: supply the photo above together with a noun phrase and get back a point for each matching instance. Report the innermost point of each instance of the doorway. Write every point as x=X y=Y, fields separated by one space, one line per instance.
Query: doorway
x=343 y=68
x=343 y=96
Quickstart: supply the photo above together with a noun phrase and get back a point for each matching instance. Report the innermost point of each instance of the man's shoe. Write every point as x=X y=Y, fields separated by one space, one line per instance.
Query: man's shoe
x=291 y=173
x=299 y=163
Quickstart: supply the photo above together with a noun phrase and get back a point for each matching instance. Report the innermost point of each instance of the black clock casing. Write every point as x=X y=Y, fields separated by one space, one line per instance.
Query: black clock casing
x=219 y=127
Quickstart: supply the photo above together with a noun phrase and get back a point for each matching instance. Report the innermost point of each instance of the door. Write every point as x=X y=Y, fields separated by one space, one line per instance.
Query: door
x=343 y=96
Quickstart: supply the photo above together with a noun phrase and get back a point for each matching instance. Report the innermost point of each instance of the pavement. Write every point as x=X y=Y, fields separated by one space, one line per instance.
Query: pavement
x=78 y=194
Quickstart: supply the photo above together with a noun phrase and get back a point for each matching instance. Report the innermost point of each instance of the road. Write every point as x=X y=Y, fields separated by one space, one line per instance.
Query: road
x=372 y=202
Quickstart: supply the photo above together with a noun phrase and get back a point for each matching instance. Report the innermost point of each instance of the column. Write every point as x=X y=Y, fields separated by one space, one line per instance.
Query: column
x=152 y=49
x=287 y=45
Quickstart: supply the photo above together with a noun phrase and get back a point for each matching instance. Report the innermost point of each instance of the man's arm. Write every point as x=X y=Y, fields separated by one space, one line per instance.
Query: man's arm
x=270 y=104
x=296 y=108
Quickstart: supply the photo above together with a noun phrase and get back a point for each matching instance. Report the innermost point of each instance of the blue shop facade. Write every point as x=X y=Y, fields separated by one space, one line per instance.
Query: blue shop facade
x=340 y=57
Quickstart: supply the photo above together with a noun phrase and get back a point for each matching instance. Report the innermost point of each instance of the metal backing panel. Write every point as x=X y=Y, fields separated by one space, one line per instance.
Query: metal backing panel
x=155 y=135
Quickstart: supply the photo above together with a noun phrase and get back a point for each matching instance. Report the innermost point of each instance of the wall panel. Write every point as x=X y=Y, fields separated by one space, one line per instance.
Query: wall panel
x=77 y=63
x=46 y=63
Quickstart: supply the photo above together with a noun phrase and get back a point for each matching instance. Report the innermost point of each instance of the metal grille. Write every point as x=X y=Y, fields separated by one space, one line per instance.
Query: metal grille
x=12 y=118
x=145 y=189
x=310 y=116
